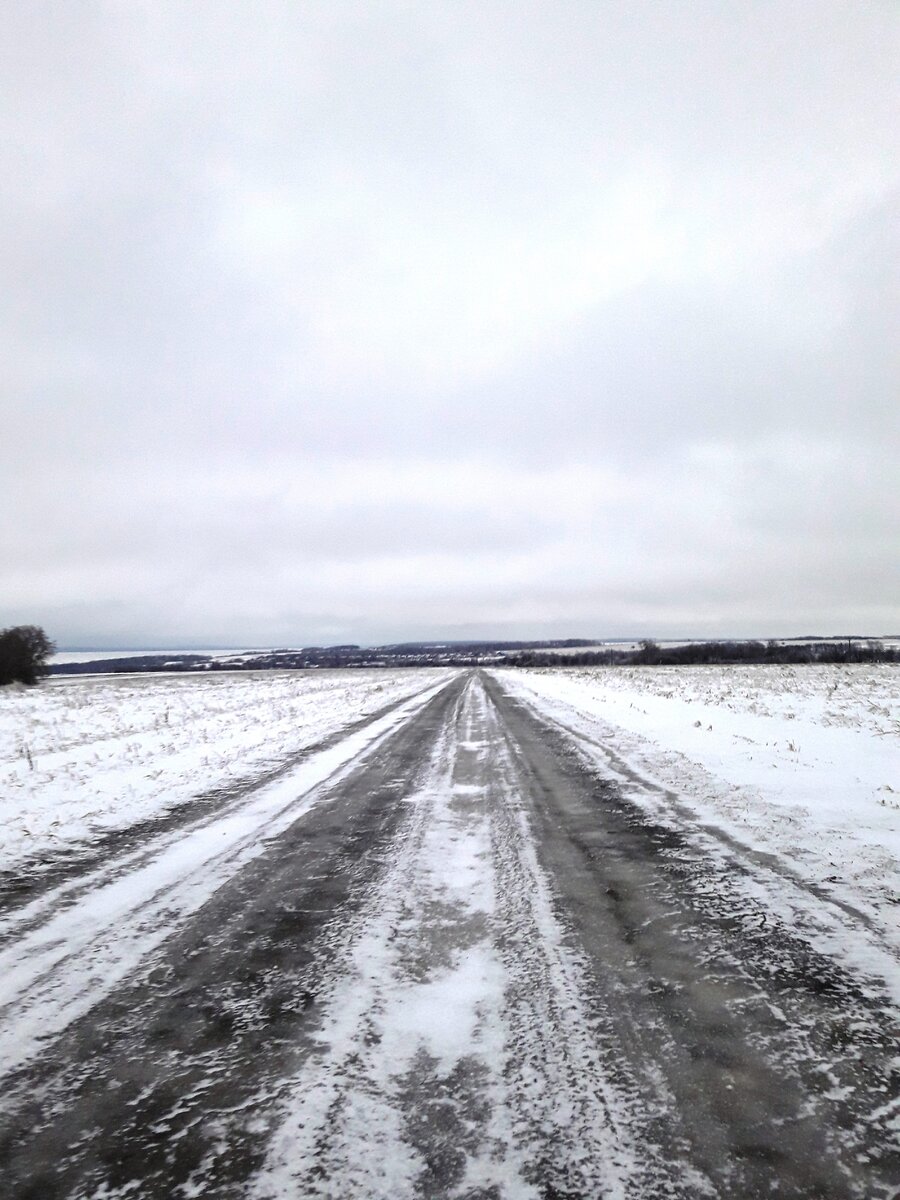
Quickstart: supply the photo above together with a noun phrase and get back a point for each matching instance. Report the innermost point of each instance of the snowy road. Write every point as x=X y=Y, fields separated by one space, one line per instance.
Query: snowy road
x=440 y=957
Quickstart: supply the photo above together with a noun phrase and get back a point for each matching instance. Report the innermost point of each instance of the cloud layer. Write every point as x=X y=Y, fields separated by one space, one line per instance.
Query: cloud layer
x=362 y=322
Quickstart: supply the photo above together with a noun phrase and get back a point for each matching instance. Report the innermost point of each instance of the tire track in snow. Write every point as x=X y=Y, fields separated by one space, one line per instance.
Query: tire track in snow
x=163 y=1087
x=61 y=958
x=35 y=887
x=765 y=1066
x=475 y=973
x=457 y=1056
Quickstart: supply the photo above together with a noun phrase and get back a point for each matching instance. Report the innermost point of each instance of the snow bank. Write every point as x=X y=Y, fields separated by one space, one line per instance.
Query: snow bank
x=82 y=756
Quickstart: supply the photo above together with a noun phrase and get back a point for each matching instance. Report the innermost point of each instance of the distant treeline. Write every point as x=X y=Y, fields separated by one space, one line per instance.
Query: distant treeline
x=650 y=654
x=497 y=654
x=404 y=654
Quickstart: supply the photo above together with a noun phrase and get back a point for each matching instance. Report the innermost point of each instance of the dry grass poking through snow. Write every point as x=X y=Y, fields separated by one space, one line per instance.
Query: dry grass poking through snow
x=79 y=757
x=864 y=696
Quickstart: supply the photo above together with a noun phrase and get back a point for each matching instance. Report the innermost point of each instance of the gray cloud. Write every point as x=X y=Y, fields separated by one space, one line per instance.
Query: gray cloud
x=404 y=320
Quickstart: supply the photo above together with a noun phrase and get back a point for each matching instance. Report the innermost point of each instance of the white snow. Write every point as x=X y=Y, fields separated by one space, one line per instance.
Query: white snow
x=72 y=945
x=426 y=1009
x=798 y=762
x=63 y=657
x=456 y=983
x=380 y=1015
x=82 y=756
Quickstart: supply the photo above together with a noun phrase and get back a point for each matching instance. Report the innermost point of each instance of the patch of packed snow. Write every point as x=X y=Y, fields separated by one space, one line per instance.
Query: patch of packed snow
x=82 y=756
x=798 y=762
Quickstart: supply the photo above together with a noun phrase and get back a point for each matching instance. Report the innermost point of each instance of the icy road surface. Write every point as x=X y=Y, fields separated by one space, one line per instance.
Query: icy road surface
x=447 y=954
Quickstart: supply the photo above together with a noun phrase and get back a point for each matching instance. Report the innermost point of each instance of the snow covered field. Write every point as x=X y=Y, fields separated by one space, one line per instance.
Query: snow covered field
x=82 y=756
x=800 y=762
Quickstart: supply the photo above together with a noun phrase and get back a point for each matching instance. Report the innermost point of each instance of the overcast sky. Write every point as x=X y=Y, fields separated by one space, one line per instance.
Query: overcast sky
x=373 y=321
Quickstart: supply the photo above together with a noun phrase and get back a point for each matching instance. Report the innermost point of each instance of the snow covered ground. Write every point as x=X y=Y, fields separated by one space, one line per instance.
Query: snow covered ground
x=97 y=929
x=82 y=756
x=64 y=657
x=432 y=954
x=799 y=762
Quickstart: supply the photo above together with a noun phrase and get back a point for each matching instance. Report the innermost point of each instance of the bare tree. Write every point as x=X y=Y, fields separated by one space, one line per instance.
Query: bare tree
x=649 y=652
